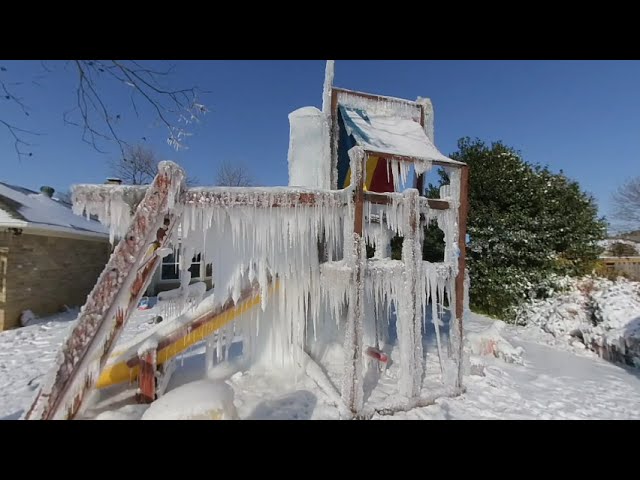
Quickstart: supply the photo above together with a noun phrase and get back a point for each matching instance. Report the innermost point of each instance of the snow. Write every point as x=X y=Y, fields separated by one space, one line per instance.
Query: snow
x=309 y=154
x=391 y=134
x=40 y=211
x=27 y=318
x=595 y=313
x=554 y=382
x=490 y=341
x=26 y=355
x=201 y=400
x=609 y=242
x=127 y=412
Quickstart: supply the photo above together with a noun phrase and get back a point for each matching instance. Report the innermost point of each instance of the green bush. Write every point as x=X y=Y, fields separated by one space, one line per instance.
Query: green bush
x=527 y=225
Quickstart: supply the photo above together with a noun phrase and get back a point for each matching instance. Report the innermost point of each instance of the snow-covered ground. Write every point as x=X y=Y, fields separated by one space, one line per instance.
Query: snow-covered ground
x=27 y=353
x=554 y=381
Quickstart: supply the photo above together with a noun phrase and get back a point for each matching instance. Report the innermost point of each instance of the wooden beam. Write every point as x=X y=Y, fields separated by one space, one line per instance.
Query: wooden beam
x=406 y=158
x=463 y=211
x=419 y=182
x=383 y=199
x=189 y=328
x=147 y=377
x=378 y=98
x=333 y=139
x=260 y=197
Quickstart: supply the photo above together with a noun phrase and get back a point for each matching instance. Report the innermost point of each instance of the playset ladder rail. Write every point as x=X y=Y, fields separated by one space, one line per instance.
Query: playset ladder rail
x=110 y=303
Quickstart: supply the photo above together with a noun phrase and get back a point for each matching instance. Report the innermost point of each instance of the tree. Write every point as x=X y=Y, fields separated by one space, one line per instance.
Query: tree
x=626 y=203
x=233 y=175
x=138 y=166
x=174 y=109
x=526 y=224
x=621 y=249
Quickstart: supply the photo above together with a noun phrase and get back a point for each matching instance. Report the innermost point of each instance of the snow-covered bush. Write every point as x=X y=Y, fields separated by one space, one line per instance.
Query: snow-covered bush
x=528 y=228
x=602 y=314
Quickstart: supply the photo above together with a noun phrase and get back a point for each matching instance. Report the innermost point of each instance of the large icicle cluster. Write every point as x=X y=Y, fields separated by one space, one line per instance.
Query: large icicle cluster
x=266 y=235
x=173 y=303
x=392 y=282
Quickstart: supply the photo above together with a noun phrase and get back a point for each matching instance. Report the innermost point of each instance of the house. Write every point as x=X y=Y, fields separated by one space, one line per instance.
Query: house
x=49 y=257
x=624 y=262
x=168 y=276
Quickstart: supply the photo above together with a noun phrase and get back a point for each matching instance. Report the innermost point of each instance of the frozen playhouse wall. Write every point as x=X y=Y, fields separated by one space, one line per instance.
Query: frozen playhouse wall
x=410 y=292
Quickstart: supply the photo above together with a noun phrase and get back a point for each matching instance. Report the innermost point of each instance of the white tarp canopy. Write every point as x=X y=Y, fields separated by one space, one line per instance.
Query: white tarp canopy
x=391 y=134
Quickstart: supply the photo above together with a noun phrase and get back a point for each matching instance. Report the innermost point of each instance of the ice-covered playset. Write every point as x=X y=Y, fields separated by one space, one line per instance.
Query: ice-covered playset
x=293 y=278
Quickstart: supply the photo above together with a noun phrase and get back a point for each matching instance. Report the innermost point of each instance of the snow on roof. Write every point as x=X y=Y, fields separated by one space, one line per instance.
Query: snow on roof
x=24 y=208
x=390 y=134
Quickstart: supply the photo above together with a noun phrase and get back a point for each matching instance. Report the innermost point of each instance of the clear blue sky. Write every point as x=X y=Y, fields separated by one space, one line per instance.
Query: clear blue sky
x=579 y=116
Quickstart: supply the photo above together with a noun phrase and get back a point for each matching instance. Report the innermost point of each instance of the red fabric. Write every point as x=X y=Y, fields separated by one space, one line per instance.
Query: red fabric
x=379 y=182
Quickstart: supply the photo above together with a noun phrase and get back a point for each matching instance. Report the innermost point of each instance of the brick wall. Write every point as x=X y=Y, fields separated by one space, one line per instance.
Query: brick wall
x=44 y=273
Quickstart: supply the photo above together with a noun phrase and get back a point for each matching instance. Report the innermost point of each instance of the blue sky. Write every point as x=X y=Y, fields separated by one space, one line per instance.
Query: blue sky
x=579 y=116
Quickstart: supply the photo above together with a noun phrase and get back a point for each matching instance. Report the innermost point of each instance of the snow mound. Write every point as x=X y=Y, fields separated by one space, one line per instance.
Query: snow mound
x=603 y=315
x=28 y=318
x=128 y=412
x=200 y=400
x=490 y=342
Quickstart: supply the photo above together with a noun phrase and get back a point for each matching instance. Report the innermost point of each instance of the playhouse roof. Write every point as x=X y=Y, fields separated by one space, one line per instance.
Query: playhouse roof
x=389 y=134
x=24 y=208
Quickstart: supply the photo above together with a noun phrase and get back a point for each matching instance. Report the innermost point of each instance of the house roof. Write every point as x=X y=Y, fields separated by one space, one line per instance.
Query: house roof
x=391 y=134
x=26 y=209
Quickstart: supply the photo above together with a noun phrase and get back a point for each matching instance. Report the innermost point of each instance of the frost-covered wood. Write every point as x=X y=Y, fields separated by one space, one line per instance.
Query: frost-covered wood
x=352 y=389
x=110 y=303
x=114 y=205
x=410 y=307
x=147 y=376
x=459 y=294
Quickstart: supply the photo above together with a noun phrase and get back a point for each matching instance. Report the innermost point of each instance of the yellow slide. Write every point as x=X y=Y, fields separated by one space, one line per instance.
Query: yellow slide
x=180 y=340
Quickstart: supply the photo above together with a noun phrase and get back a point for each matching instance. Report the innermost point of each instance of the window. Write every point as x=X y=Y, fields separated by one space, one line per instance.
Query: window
x=171 y=269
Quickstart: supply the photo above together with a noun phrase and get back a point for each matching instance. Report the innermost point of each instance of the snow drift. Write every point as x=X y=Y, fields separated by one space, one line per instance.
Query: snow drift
x=601 y=314
x=200 y=400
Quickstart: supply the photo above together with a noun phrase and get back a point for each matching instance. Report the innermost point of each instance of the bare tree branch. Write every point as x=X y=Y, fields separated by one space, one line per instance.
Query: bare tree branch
x=175 y=109
x=18 y=139
x=233 y=175
x=10 y=96
x=139 y=166
x=626 y=202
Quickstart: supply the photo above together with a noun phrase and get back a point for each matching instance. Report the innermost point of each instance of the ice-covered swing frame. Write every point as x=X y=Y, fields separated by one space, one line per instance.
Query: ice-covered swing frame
x=138 y=214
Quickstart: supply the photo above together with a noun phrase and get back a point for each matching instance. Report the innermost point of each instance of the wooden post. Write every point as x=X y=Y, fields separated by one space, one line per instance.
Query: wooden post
x=352 y=392
x=426 y=121
x=334 y=135
x=409 y=315
x=147 y=377
x=463 y=210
